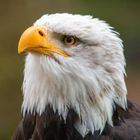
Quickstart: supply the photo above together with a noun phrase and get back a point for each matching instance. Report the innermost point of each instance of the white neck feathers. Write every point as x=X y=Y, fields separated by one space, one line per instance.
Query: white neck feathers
x=89 y=92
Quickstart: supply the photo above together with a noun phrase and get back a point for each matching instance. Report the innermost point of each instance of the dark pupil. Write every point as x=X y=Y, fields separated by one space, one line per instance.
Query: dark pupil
x=69 y=39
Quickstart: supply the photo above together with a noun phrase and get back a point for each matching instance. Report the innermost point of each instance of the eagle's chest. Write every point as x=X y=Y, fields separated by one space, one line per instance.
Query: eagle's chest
x=64 y=88
x=51 y=126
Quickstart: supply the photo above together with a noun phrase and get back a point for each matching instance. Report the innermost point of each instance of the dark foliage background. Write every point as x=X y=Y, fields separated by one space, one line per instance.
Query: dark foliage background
x=16 y=16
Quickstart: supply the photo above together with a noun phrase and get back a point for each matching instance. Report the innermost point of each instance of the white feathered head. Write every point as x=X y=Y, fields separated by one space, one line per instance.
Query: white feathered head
x=76 y=62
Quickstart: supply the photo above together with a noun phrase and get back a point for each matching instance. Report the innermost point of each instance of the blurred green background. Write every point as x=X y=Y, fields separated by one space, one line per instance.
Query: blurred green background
x=16 y=16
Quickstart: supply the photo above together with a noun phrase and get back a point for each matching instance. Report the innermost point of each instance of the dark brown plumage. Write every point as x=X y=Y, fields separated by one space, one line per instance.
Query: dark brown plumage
x=50 y=126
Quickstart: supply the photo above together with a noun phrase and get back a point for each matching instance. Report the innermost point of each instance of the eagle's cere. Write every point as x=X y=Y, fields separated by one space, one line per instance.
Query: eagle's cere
x=73 y=84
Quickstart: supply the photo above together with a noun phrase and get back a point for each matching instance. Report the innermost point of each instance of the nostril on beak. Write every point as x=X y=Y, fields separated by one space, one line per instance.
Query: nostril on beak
x=41 y=33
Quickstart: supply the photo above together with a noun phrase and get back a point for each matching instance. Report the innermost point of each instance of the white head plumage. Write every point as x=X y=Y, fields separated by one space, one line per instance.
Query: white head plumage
x=91 y=80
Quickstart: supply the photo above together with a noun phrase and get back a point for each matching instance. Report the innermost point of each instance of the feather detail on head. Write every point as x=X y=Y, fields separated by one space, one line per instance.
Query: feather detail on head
x=90 y=81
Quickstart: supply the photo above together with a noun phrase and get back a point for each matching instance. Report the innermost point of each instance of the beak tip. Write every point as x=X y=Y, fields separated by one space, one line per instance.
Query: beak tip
x=19 y=50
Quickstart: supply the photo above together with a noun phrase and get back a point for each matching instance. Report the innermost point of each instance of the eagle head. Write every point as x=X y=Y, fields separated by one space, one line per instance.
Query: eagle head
x=77 y=62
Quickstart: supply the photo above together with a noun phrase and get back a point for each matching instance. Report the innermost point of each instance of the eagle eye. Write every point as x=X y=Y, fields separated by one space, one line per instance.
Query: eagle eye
x=70 y=40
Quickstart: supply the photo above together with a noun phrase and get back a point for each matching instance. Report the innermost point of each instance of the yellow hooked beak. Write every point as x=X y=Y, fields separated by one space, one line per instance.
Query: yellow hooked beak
x=35 y=39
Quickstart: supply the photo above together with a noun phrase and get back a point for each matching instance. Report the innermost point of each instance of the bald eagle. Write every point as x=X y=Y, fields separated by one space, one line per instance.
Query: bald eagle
x=73 y=87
